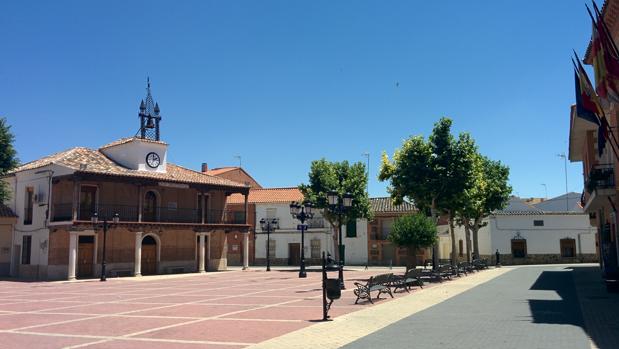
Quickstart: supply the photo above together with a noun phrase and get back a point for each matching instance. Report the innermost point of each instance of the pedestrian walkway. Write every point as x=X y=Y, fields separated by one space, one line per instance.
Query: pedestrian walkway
x=348 y=328
x=529 y=307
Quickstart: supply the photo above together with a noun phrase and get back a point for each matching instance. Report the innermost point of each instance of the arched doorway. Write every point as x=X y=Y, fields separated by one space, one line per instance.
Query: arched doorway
x=149 y=255
x=149 y=212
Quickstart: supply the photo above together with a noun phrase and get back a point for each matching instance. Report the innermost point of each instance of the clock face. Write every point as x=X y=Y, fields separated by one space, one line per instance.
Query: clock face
x=152 y=160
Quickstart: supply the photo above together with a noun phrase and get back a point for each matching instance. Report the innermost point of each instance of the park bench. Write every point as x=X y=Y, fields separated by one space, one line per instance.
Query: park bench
x=410 y=278
x=480 y=264
x=380 y=283
x=443 y=272
x=466 y=267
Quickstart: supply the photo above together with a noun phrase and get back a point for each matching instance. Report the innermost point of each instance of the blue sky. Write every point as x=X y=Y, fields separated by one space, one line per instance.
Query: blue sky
x=282 y=83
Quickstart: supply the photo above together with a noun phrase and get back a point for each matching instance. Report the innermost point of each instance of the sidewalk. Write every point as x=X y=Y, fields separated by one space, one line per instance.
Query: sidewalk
x=350 y=327
x=600 y=308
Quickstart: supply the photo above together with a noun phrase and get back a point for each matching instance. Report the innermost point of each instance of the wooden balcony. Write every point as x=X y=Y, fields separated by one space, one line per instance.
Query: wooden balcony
x=63 y=212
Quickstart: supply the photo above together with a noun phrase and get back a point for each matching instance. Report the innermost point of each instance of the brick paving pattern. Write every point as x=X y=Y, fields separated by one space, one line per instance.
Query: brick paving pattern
x=213 y=310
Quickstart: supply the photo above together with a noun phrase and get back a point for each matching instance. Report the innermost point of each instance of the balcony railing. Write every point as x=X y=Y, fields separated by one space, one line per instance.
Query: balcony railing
x=64 y=212
x=315 y=223
x=600 y=177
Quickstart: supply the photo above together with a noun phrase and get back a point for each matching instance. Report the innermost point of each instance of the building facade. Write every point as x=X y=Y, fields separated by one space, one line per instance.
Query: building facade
x=600 y=171
x=551 y=231
x=380 y=250
x=171 y=219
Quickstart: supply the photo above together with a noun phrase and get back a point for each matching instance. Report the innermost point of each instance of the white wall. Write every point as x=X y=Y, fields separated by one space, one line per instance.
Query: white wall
x=357 y=248
x=133 y=154
x=542 y=239
x=39 y=180
x=288 y=233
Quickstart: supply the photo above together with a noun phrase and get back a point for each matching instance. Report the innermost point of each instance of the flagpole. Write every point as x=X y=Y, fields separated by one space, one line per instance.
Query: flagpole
x=607 y=32
x=602 y=123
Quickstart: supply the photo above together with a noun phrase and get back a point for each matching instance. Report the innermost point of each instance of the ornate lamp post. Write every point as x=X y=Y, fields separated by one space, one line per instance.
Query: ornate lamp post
x=339 y=205
x=95 y=222
x=302 y=212
x=269 y=225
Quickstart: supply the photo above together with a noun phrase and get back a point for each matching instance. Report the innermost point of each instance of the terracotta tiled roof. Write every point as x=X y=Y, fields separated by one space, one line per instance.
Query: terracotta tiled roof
x=268 y=195
x=220 y=170
x=129 y=139
x=385 y=205
x=86 y=160
x=5 y=211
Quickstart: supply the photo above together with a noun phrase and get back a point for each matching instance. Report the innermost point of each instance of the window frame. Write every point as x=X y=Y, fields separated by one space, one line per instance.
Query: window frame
x=26 y=250
x=351 y=233
x=28 y=205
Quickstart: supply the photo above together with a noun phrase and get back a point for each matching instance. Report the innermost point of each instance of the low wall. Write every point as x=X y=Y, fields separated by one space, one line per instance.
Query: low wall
x=508 y=259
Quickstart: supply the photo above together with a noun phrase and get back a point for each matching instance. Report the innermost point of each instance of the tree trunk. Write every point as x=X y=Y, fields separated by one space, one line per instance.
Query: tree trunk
x=412 y=257
x=475 y=229
x=467 y=230
x=453 y=238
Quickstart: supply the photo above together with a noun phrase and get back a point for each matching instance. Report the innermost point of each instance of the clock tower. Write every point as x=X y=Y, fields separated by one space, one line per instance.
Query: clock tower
x=149 y=116
x=145 y=151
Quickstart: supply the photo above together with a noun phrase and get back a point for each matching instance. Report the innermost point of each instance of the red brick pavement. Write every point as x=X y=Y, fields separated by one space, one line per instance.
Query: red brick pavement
x=213 y=310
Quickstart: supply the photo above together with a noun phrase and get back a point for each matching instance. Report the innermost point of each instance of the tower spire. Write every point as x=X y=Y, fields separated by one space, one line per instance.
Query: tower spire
x=149 y=116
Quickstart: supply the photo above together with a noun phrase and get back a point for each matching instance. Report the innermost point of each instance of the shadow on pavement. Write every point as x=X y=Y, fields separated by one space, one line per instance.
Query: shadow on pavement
x=584 y=302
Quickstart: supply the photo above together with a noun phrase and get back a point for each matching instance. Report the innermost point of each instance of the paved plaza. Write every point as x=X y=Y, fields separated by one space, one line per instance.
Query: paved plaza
x=213 y=310
x=509 y=307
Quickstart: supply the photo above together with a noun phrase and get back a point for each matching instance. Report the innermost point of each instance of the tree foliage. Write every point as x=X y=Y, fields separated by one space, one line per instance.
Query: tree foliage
x=341 y=177
x=434 y=174
x=8 y=156
x=417 y=230
x=490 y=192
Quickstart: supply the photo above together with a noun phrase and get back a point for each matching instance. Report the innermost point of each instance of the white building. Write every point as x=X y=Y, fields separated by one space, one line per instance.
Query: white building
x=551 y=231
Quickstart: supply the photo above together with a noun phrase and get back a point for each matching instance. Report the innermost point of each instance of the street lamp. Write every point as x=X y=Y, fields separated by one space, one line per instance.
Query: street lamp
x=339 y=205
x=302 y=212
x=269 y=224
x=95 y=222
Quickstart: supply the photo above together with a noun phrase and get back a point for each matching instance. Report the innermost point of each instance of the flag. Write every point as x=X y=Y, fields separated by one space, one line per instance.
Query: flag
x=587 y=102
x=605 y=60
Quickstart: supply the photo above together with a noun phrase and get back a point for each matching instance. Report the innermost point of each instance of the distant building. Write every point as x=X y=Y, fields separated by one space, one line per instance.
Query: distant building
x=551 y=231
x=380 y=250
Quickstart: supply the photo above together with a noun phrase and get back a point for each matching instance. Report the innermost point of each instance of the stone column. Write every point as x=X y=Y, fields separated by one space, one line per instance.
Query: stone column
x=137 y=264
x=72 y=254
x=246 y=251
x=201 y=268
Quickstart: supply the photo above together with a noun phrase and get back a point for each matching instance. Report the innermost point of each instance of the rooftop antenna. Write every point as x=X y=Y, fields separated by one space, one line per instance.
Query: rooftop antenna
x=545 y=191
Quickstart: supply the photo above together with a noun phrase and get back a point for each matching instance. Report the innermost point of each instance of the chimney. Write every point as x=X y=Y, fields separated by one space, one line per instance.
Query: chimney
x=204 y=167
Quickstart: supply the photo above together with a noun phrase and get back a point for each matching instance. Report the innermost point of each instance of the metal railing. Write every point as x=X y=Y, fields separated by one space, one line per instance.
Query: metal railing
x=64 y=212
x=315 y=223
x=600 y=177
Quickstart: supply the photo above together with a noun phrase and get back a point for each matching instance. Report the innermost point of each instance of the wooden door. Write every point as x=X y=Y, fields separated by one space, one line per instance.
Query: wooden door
x=149 y=259
x=85 y=255
x=294 y=254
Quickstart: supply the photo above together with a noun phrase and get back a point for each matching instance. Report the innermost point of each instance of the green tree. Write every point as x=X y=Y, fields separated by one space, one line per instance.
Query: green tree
x=433 y=174
x=341 y=177
x=413 y=231
x=8 y=159
x=490 y=192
